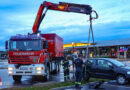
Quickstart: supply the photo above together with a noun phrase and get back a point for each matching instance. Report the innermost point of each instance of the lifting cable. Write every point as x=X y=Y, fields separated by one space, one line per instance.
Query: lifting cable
x=91 y=32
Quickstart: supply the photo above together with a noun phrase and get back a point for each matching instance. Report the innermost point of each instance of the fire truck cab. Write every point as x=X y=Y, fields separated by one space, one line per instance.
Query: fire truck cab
x=29 y=55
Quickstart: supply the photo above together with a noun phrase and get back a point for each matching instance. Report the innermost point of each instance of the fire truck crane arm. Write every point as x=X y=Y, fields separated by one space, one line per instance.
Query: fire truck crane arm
x=66 y=7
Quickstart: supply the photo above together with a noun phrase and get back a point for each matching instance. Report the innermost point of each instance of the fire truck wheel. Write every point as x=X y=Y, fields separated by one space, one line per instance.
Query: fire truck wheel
x=17 y=78
x=56 y=70
x=47 y=77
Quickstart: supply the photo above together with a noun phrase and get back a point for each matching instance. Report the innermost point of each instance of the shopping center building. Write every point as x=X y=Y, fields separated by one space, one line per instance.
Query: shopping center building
x=110 y=48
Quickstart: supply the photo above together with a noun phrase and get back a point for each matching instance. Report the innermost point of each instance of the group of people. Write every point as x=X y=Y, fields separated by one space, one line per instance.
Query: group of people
x=79 y=70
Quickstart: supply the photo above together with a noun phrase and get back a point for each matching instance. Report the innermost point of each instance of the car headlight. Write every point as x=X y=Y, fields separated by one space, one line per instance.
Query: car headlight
x=10 y=68
x=128 y=72
x=39 y=68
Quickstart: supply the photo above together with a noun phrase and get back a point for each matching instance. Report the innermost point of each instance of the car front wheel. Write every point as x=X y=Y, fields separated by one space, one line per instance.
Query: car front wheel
x=121 y=79
x=17 y=78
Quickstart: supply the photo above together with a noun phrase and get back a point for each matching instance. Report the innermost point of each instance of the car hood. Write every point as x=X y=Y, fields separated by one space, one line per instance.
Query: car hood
x=126 y=68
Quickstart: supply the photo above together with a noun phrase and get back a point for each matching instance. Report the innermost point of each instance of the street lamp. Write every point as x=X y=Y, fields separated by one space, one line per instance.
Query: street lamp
x=72 y=47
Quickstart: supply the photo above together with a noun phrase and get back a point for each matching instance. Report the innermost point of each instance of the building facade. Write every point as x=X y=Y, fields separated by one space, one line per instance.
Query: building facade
x=110 y=48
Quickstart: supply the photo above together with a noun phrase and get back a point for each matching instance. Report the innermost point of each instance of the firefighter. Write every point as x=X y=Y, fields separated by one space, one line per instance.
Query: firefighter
x=79 y=71
x=65 y=65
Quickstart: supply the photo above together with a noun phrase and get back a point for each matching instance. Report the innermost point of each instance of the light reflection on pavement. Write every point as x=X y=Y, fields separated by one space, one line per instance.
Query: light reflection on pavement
x=28 y=80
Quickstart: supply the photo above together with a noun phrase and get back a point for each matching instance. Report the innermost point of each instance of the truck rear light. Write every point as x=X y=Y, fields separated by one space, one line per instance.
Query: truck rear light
x=10 y=68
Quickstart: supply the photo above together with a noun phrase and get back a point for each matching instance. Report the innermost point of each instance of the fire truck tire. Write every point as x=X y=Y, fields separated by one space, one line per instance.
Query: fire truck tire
x=57 y=69
x=17 y=78
x=47 y=77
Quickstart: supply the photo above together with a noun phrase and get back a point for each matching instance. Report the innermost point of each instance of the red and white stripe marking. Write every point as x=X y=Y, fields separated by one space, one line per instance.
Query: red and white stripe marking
x=1 y=82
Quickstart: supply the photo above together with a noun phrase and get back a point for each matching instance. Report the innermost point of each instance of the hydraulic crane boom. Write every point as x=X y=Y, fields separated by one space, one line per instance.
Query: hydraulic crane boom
x=66 y=7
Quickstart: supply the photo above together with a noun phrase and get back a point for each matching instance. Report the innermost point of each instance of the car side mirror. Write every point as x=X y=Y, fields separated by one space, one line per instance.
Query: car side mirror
x=111 y=67
x=6 y=45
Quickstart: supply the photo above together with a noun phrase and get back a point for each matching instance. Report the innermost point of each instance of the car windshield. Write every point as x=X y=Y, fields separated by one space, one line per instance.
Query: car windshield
x=25 y=45
x=117 y=63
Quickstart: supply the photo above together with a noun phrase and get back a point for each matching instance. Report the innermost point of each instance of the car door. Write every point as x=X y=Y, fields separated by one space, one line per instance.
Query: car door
x=91 y=67
x=105 y=69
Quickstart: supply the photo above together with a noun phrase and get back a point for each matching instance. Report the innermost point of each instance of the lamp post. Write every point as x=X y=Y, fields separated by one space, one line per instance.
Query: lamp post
x=72 y=47
x=73 y=59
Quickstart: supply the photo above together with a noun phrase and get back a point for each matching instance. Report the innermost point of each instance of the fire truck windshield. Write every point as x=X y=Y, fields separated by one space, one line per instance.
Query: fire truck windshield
x=25 y=45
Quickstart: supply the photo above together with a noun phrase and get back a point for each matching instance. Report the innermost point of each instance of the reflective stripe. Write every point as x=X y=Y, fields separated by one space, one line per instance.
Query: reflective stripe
x=66 y=76
x=0 y=79
x=78 y=83
x=65 y=68
x=64 y=62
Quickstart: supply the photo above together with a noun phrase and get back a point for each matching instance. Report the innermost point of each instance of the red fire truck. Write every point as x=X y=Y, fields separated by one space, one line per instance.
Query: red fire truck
x=39 y=54
x=34 y=55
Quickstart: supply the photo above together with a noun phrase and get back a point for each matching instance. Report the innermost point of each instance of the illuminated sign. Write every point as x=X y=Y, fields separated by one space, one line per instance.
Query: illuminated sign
x=76 y=44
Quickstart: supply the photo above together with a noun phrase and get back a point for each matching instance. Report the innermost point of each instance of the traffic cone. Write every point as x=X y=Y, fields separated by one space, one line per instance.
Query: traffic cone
x=1 y=82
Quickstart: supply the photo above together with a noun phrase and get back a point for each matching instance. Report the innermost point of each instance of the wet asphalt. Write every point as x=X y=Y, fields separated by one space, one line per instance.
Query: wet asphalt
x=8 y=82
x=103 y=87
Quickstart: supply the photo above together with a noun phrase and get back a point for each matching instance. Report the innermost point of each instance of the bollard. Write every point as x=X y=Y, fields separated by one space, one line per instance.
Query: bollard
x=1 y=82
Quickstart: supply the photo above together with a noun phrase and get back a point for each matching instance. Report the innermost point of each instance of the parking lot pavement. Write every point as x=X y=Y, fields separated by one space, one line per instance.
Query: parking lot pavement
x=103 y=87
x=8 y=82
x=28 y=81
x=3 y=65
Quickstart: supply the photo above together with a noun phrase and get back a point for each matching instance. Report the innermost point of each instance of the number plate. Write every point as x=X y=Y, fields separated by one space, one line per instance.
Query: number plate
x=23 y=68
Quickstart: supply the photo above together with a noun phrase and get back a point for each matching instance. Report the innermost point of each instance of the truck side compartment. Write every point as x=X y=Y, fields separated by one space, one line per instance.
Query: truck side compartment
x=55 y=45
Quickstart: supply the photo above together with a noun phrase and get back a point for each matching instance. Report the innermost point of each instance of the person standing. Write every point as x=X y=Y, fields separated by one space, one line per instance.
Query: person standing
x=79 y=71
x=65 y=65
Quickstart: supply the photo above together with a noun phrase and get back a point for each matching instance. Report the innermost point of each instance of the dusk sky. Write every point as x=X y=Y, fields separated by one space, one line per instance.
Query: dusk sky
x=17 y=17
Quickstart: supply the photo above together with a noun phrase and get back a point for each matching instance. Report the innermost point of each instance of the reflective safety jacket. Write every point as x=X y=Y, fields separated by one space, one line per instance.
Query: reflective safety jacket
x=65 y=64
